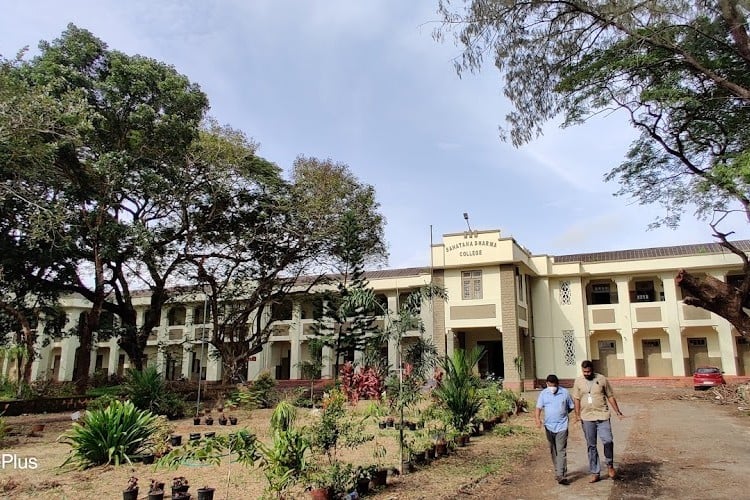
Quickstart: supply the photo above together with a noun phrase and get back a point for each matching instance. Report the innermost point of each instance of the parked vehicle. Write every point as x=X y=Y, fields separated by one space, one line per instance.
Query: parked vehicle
x=707 y=376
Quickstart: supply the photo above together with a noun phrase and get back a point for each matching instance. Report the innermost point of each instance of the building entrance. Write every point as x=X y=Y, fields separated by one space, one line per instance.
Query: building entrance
x=492 y=361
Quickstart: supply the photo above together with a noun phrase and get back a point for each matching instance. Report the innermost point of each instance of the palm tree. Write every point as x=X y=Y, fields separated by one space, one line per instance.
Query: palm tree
x=458 y=390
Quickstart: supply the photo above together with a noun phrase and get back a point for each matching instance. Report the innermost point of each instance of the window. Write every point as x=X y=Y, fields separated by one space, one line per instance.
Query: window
x=600 y=293
x=569 y=347
x=565 y=293
x=697 y=342
x=176 y=316
x=198 y=318
x=644 y=292
x=281 y=311
x=471 y=284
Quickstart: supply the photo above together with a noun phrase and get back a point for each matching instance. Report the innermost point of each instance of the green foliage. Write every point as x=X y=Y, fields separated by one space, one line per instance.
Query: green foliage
x=283 y=461
x=340 y=478
x=115 y=435
x=261 y=393
x=679 y=71
x=241 y=447
x=111 y=390
x=283 y=416
x=148 y=391
x=336 y=428
x=458 y=392
x=101 y=402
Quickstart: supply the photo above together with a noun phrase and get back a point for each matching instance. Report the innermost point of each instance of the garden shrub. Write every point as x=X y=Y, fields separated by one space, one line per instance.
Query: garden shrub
x=113 y=435
x=101 y=402
x=261 y=393
x=148 y=391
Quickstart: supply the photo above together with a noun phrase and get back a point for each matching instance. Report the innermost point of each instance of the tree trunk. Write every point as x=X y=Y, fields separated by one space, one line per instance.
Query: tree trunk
x=29 y=341
x=82 y=359
x=716 y=296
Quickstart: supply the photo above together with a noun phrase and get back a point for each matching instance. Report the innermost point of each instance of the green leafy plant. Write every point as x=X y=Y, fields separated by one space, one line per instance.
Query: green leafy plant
x=458 y=392
x=145 y=388
x=101 y=402
x=115 y=434
x=336 y=429
x=148 y=391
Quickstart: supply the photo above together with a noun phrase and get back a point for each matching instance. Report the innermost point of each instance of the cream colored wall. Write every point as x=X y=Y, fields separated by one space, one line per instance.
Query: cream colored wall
x=491 y=291
x=550 y=319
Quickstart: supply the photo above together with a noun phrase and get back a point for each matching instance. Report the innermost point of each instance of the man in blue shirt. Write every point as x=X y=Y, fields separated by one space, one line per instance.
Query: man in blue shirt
x=556 y=403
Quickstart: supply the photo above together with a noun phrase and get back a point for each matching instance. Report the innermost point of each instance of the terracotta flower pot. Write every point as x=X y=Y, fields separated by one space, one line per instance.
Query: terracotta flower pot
x=321 y=494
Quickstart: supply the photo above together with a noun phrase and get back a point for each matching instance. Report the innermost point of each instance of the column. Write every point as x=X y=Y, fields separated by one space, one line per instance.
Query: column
x=626 y=328
x=509 y=322
x=187 y=351
x=114 y=356
x=727 y=344
x=392 y=340
x=672 y=320
x=68 y=347
x=213 y=364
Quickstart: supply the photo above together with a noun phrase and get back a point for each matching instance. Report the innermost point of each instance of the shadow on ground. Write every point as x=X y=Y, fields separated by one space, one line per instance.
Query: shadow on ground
x=637 y=479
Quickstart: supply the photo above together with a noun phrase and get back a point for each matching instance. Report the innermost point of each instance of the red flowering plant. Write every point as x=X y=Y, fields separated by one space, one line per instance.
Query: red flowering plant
x=364 y=383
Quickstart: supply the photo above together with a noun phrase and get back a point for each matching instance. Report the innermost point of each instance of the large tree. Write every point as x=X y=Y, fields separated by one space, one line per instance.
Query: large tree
x=125 y=189
x=278 y=239
x=679 y=69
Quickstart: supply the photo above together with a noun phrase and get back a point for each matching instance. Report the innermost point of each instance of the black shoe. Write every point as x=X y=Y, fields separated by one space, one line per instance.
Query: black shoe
x=563 y=481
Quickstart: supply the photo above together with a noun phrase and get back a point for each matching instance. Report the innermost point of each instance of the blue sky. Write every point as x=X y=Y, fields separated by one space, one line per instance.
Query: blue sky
x=365 y=84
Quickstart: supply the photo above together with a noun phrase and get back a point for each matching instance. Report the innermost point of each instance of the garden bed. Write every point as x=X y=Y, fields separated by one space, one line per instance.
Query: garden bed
x=483 y=455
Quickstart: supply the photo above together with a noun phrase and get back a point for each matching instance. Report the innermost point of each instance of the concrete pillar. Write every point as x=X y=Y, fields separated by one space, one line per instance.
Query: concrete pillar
x=626 y=328
x=437 y=331
x=727 y=343
x=213 y=364
x=187 y=351
x=67 y=358
x=509 y=321
x=672 y=320
x=161 y=366
x=114 y=356
x=329 y=359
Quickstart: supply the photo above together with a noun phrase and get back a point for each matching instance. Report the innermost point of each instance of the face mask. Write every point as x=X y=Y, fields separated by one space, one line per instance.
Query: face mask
x=590 y=376
x=553 y=389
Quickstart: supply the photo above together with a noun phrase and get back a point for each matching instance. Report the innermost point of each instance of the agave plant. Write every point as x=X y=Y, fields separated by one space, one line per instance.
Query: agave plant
x=111 y=435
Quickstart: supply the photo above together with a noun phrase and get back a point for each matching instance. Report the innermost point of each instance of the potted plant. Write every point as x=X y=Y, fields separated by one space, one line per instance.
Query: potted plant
x=195 y=436
x=223 y=419
x=175 y=440
x=206 y=493
x=131 y=491
x=380 y=474
x=179 y=485
x=232 y=420
x=209 y=420
x=156 y=490
x=197 y=420
x=363 y=476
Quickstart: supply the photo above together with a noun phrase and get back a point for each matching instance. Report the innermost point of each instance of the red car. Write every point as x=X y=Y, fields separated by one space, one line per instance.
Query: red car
x=707 y=376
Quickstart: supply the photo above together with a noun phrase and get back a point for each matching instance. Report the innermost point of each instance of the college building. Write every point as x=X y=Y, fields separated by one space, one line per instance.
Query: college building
x=533 y=314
